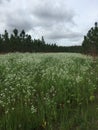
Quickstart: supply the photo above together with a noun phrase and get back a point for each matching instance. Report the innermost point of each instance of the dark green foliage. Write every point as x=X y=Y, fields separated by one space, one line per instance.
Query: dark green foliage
x=90 y=43
x=22 y=42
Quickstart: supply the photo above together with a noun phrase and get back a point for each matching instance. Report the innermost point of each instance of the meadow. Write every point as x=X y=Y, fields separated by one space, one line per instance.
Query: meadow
x=48 y=91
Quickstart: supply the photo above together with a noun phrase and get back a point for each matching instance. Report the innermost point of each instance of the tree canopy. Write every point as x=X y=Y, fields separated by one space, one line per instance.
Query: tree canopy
x=90 y=42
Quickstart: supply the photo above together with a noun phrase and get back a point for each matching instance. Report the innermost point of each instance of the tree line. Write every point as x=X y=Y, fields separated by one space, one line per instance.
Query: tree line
x=22 y=42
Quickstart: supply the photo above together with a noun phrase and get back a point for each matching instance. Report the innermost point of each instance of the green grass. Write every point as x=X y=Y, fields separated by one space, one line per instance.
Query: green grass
x=48 y=91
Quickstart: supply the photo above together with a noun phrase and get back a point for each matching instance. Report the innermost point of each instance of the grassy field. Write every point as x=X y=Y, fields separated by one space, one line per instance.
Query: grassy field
x=48 y=92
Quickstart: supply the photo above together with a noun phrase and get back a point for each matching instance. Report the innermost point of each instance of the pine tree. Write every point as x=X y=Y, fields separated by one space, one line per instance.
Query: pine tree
x=43 y=41
x=90 y=42
x=5 y=37
x=15 y=31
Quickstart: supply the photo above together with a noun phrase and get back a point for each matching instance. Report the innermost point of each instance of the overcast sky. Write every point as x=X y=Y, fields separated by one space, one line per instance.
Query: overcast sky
x=63 y=22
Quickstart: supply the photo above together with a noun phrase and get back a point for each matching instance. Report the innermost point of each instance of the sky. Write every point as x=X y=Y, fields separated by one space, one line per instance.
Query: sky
x=64 y=22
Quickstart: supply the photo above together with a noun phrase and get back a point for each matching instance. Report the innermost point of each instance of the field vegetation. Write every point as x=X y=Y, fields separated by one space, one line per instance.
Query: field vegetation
x=48 y=92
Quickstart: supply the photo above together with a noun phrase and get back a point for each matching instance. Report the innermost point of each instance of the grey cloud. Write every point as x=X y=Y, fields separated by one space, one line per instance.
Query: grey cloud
x=19 y=20
x=49 y=18
x=44 y=14
x=49 y=13
x=64 y=35
x=15 y=16
x=1 y=1
x=19 y=24
x=54 y=14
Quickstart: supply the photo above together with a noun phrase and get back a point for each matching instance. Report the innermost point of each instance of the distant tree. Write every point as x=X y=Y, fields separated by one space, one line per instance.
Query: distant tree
x=15 y=31
x=90 y=42
x=28 y=38
x=43 y=41
x=5 y=37
x=22 y=35
x=1 y=39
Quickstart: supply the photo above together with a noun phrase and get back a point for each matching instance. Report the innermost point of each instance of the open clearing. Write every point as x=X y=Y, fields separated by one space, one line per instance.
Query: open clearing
x=52 y=91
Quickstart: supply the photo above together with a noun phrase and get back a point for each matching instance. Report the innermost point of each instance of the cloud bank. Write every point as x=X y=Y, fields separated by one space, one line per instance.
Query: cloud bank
x=52 y=19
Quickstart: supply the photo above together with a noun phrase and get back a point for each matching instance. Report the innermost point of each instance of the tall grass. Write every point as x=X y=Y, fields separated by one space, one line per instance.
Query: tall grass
x=47 y=91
